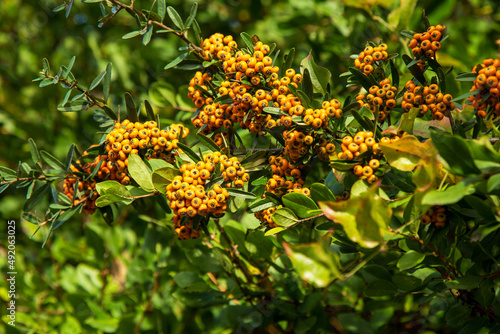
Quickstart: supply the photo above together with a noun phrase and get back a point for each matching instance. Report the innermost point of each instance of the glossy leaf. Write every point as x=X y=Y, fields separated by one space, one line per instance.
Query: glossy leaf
x=363 y=218
x=284 y=217
x=162 y=177
x=320 y=76
x=140 y=172
x=175 y=17
x=300 y=204
x=314 y=263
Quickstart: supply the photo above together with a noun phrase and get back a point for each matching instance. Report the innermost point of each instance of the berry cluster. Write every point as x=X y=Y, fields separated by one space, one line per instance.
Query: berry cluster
x=381 y=96
x=370 y=57
x=318 y=118
x=85 y=189
x=189 y=196
x=427 y=43
x=251 y=84
x=324 y=149
x=286 y=178
x=488 y=75
x=435 y=215
x=194 y=93
x=427 y=98
x=363 y=147
x=134 y=138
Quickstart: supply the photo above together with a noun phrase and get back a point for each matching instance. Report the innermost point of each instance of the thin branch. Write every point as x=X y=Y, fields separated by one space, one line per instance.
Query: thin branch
x=179 y=33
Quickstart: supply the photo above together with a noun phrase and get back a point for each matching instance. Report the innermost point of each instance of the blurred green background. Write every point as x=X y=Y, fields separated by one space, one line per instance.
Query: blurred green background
x=60 y=286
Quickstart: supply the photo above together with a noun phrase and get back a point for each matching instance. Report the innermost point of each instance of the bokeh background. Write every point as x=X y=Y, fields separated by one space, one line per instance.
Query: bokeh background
x=60 y=286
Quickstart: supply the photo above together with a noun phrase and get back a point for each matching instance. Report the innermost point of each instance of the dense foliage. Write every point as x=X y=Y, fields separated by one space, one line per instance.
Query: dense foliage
x=253 y=168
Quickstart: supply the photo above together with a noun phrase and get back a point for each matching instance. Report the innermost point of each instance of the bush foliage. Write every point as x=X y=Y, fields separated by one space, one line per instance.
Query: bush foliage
x=252 y=167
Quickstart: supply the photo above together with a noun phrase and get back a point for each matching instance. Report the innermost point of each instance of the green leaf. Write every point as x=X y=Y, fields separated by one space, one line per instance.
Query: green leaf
x=274 y=231
x=284 y=217
x=36 y=197
x=162 y=9
x=131 y=109
x=189 y=152
x=162 y=177
x=408 y=120
x=4 y=187
x=107 y=82
x=448 y=146
x=451 y=195
x=320 y=193
x=69 y=157
x=74 y=106
x=102 y=187
x=192 y=15
x=260 y=205
x=97 y=80
x=361 y=78
x=114 y=194
x=410 y=259
x=208 y=142
x=342 y=165
x=493 y=183
x=131 y=34
x=314 y=263
x=466 y=76
x=140 y=172
x=52 y=161
x=414 y=69
x=353 y=323
x=320 y=76
x=46 y=66
x=300 y=204
x=406 y=153
x=466 y=95
x=46 y=82
x=394 y=74
x=176 y=61
x=67 y=70
x=240 y=193
x=175 y=17
x=147 y=36
x=35 y=156
x=288 y=61
x=64 y=217
x=363 y=218
x=31 y=218
x=111 y=114
x=380 y=288
x=149 y=110
x=247 y=39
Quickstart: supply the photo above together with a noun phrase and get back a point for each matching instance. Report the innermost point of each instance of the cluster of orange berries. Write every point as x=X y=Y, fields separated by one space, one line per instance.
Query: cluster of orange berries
x=488 y=75
x=194 y=93
x=435 y=215
x=324 y=149
x=318 y=118
x=297 y=143
x=353 y=147
x=256 y=66
x=134 y=137
x=218 y=46
x=188 y=196
x=427 y=43
x=371 y=56
x=85 y=188
x=381 y=96
x=427 y=98
x=287 y=177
